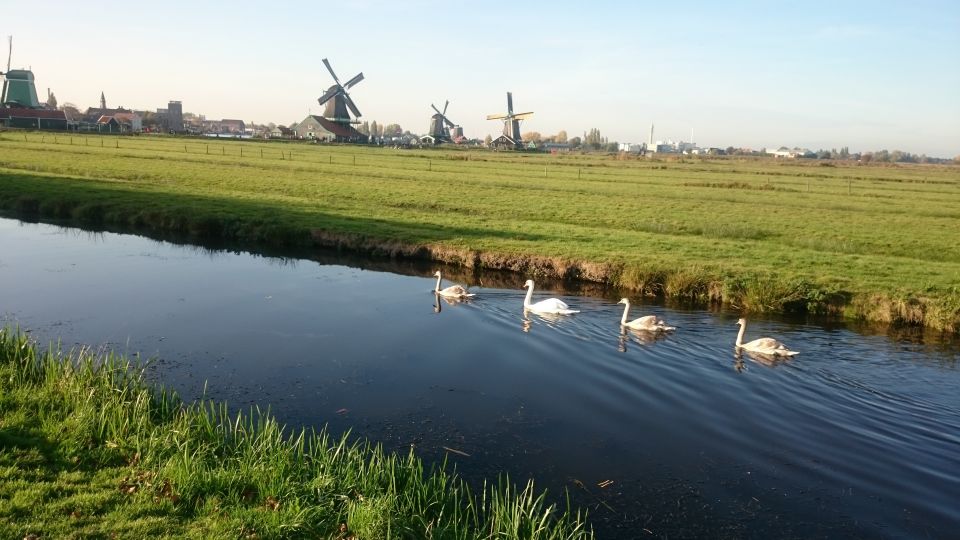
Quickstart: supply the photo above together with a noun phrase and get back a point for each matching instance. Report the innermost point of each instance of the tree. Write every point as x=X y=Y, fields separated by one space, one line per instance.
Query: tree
x=364 y=128
x=71 y=112
x=487 y=140
x=374 y=129
x=575 y=142
x=392 y=130
x=593 y=139
x=531 y=136
x=561 y=136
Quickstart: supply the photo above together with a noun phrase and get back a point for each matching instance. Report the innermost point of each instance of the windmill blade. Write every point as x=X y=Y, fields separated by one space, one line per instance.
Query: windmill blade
x=509 y=103
x=445 y=107
x=357 y=78
x=447 y=120
x=330 y=69
x=332 y=91
x=351 y=105
x=436 y=109
x=3 y=94
x=496 y=116
x=522 y=116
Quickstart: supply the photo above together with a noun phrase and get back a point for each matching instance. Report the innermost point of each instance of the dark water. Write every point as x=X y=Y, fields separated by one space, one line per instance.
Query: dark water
x=858 y=436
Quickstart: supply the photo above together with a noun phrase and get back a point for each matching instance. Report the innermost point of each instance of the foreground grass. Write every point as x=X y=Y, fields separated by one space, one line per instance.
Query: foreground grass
x=88 y=450
x=876 y=243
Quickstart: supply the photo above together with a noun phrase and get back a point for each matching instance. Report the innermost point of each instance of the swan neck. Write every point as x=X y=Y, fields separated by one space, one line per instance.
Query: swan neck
x=528 y=297
x=743 y=328
x=626 y=311
x=437 y=288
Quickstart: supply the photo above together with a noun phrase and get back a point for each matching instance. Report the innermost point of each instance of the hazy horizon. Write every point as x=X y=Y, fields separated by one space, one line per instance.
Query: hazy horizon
x=868 y=76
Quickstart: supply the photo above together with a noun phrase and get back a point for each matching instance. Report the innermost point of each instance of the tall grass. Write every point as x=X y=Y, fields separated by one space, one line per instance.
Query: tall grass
x=159 y=467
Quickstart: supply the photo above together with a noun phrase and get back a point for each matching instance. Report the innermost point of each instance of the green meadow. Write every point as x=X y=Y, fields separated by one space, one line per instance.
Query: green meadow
x=871 y=242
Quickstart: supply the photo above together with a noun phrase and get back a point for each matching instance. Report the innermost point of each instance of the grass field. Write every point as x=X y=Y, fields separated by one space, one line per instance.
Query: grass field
x=872 y=242
x=88 y=450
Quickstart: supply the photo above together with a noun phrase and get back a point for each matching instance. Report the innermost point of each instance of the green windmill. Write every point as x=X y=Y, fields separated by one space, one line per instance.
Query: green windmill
x=18 y=87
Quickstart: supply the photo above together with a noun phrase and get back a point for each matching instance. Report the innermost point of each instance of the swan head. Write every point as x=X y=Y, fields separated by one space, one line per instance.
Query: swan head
x=623 y=301
x=741 y=321
x=528 y=283
x=436 y=274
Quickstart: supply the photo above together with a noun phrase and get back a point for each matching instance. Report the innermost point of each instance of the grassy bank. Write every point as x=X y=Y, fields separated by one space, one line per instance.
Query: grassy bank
x=869 y=242
x=88 y=450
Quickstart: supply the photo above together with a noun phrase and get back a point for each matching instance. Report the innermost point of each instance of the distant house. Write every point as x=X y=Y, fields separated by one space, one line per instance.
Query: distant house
x=555 y=148
x=131 y=121
x=233 y=127
x=789 y=153
x=504 y=141
x=320 y=129
x=281 y=132
x=32 y=118
x=109 y=124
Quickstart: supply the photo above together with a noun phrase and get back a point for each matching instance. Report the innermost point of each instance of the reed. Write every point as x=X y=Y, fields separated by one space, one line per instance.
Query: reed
x=89 y=449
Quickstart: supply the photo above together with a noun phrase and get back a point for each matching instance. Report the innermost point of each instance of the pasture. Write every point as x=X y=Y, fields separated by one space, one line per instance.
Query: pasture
x=870 y=242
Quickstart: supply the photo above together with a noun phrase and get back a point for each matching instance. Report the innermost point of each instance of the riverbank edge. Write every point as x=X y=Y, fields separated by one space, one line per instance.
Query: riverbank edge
x=696 y=285
x=88 y=447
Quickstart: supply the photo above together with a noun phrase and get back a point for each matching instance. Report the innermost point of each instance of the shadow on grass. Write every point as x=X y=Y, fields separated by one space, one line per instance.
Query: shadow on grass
x=203 y=217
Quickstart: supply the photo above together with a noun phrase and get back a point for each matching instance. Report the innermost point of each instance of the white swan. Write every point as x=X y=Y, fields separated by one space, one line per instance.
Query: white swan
x=453 y=291
x=763 y=345
x=649 y=323
x=550 y=305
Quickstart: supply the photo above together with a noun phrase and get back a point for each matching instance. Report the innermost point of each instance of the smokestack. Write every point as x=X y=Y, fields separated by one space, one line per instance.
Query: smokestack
x=651 y=136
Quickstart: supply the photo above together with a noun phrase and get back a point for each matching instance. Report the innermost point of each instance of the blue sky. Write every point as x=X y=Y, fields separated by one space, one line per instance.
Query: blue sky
x=867 y=75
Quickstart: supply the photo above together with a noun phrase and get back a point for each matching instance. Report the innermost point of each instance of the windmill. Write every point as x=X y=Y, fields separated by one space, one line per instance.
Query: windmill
x=19 y=89
x=511 y=123
x=3 y=95
x=440 y=125
x=338 y=102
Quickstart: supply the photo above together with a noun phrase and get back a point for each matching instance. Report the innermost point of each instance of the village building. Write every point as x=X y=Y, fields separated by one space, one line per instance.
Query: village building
x=320 y=129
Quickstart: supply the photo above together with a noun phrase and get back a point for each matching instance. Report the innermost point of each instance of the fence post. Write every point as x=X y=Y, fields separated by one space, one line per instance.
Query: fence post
x=429 y=165
x=849 y=186
x=261 y=153
x=184 y=149
x=544 y=172
x=354 y=159
x=241 y=151
x=578 y=173
x=208 y=149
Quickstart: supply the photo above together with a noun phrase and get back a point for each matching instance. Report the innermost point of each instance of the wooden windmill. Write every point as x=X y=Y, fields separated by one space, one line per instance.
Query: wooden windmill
x=337 y=100
x=511 y=125
x=440 y=125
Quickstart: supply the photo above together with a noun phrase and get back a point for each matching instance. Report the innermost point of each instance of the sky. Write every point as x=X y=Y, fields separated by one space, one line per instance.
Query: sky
x=867 y=75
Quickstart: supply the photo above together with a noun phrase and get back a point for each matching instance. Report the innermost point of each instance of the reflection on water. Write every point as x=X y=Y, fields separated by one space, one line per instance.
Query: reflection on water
x=857 y=436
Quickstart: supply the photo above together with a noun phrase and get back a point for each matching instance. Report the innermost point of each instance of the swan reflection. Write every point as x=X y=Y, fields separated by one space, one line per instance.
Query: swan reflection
x=551 y=319
x=640 y=337
x=769 y=360
x=448 y=300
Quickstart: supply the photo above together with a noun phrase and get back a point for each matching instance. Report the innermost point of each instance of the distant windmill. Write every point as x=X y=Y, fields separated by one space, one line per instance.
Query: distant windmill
x=511 y=122
x=440 y=125
x=3 y=95
x=338 y=100
x=19 y=89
